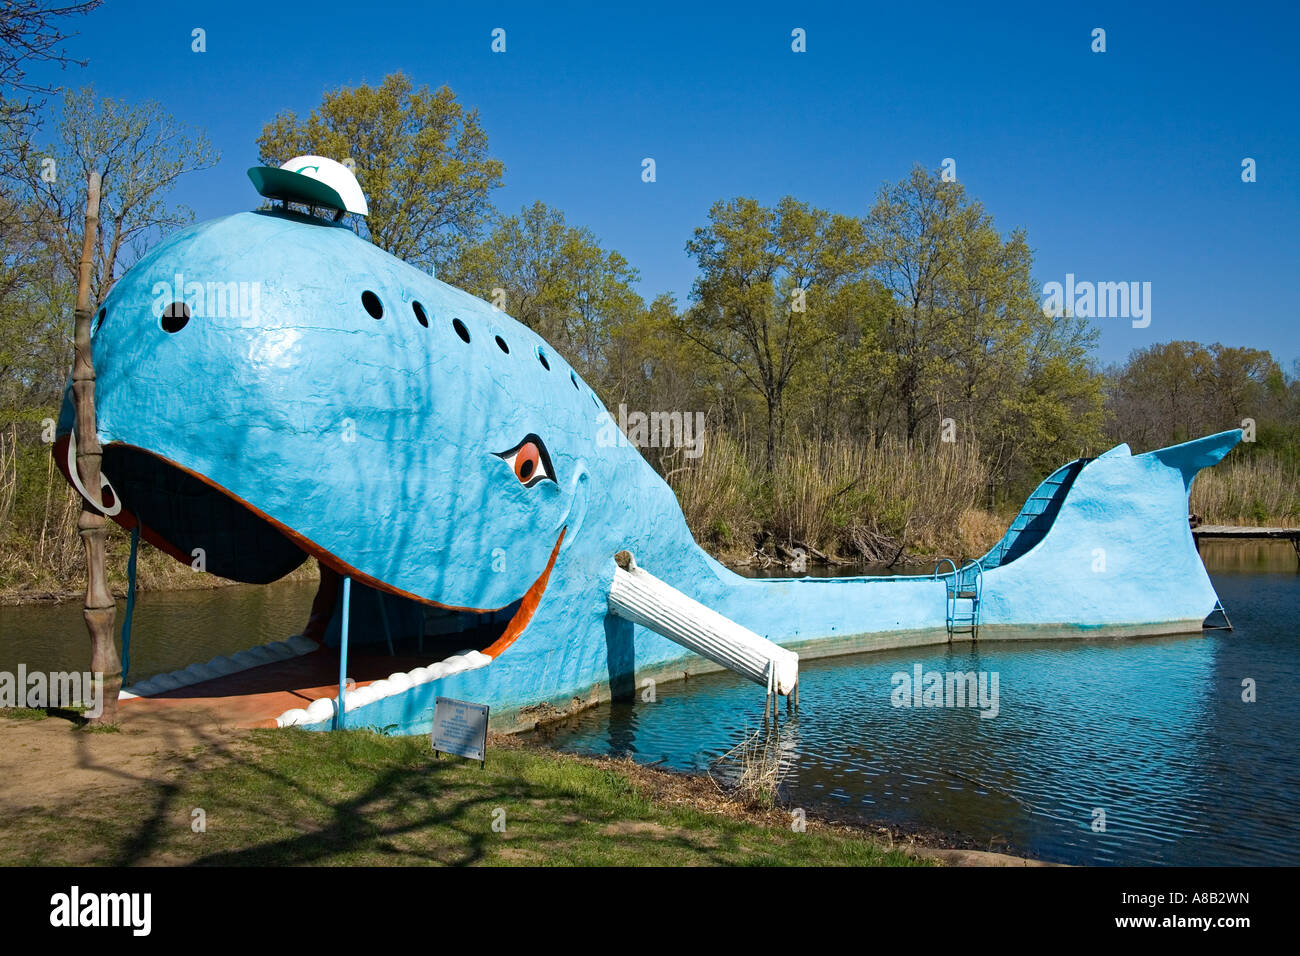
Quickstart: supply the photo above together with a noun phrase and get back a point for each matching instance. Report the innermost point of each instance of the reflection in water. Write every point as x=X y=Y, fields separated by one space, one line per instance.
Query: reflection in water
x=172 y=629
x=1153 y=732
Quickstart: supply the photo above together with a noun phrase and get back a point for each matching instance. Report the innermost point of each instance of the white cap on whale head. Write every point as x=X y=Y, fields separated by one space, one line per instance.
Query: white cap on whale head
x=317 y=180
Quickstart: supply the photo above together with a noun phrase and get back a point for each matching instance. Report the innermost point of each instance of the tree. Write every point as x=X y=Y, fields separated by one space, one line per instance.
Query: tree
x=421 y=158
x=769 y=281
x=1174 y=391
x=916 y=229
x=140 y=151
x=31 y=32
x=964 y=337
x=34 y=296
x=557 y=280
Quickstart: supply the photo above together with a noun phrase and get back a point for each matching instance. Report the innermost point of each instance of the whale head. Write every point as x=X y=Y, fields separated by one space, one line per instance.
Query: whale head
x=272 y=386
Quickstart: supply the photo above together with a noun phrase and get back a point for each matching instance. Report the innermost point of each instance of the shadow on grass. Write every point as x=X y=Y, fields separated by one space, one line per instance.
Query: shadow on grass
x=292 y=797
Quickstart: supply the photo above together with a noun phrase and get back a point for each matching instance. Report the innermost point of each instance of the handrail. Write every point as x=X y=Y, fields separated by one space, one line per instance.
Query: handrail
x=967 y=577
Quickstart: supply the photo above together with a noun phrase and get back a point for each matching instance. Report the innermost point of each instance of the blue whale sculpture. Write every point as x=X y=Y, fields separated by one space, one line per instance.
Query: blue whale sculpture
x=272 y=386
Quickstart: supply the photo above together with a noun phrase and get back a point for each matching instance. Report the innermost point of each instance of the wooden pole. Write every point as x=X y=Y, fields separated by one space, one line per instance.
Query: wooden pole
x=99 y=610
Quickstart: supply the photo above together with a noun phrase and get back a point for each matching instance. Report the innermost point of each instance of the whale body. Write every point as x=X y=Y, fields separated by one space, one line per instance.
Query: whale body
x=271 y=386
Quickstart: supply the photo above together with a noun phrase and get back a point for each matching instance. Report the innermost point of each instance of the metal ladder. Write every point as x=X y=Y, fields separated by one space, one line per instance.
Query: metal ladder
x=964 y=584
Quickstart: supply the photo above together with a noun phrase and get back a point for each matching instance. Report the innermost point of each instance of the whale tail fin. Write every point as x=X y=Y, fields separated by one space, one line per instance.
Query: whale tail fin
x=1191 y=456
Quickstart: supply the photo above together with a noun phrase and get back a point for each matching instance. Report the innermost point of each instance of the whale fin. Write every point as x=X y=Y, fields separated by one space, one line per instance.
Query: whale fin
x=1191 y=456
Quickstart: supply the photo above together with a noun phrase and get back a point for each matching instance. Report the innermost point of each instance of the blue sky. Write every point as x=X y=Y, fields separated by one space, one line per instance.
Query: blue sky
x=1122 y=166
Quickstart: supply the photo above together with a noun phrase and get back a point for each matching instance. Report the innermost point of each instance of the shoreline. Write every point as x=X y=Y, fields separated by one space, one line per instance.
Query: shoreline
x=177 y=579
x=947 y=847
x=277 y=795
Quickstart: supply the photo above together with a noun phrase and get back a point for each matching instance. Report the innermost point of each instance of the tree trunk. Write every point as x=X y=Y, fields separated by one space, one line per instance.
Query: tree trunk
x=99 y=610
x=771 y=436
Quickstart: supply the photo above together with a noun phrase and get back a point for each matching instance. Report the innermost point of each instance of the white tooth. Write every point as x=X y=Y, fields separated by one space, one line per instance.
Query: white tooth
x=257 y=655
x=302 y=645
x=222 y=666
x=359 y=697
x=291 y=718
x=399 y=683
x=165 y=682
x=197 y=674
x=320 y=709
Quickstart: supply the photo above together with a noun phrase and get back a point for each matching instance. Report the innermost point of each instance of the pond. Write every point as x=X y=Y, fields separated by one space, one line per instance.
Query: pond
x=1151 y=732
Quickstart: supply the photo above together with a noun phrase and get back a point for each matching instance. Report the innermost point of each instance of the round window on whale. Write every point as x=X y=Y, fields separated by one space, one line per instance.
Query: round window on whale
x=372 y=304
x=501 y=344
x=459 y=326
x=175 y=317
x=420 y=315
x=541 y=357
x=100 y=320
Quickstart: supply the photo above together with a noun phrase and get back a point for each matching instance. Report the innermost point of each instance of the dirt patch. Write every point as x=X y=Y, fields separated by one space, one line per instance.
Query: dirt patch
x=55 y=762
x=658 y=831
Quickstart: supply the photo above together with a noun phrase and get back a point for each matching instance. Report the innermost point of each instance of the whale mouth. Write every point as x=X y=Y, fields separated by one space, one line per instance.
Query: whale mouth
x=192 y=518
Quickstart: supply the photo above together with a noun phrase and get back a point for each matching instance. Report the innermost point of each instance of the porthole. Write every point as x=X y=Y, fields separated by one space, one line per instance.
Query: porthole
x=459 y=326
x=501 y=344
x=175 y=317
x=372 y=304
x=420 y=315
x=541 y=357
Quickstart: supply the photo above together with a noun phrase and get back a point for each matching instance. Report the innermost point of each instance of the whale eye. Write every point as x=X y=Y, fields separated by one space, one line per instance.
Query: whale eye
x=529 y=461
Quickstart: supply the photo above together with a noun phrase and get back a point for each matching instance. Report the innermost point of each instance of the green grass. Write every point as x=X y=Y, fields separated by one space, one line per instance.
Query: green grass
x=295 y=797
x=23 y=713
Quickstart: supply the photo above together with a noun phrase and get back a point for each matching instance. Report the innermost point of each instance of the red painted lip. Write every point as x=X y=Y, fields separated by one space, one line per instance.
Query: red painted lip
x=527 y=605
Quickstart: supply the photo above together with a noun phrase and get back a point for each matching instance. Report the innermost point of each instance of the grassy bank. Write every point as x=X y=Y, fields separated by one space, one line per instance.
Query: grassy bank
x=272 y=798
x=853 y=501
x=1257 y=490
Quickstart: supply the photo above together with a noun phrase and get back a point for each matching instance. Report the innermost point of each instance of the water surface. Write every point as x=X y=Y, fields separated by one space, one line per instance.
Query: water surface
x=1153 y=732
